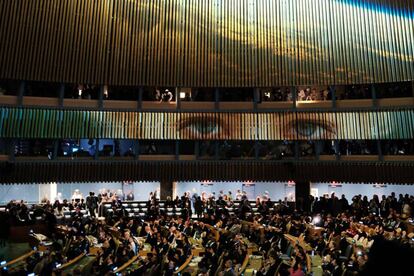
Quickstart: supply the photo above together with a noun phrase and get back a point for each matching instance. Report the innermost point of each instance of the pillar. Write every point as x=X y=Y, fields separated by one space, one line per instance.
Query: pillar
x=256 y=98
x=374 y=96
x=21 y=92
x=216 y=99
x=61 y=94
x=166 y=189
x=302 y=192
x=178 y=98
x=333 y=96
x=412 y=88
x=101 y=96
x=294 y=93
x=140 y=94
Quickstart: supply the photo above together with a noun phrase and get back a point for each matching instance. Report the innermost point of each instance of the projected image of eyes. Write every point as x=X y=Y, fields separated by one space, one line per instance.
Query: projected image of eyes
x=306 y=129
x=203 y=127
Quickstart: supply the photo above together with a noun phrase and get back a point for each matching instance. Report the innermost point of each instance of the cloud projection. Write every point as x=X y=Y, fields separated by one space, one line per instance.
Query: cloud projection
x=256 y=43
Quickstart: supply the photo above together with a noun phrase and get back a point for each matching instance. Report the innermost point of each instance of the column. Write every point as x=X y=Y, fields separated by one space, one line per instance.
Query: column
x=55 y=149
x=96 y=156
x=101 y=96
x=374 y=96
x=136 y=150
x=177 y=150
x=166 y=189
x=302 y=192
x=61 y=94
x=20 y=93
x=178 y=98
x=216 y=99
x=11 y=147
x=197 y=149
x=140 y=93
x=333 y=96
x=412 y=89
x=294 y=93
x=256 y=98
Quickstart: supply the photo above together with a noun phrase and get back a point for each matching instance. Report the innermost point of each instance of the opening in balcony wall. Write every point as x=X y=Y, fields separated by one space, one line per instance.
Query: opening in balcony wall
x=42 y=89
x=77 y=148
x=236 y=94
x=394 y=90
x=9 y=87
x=82 y=91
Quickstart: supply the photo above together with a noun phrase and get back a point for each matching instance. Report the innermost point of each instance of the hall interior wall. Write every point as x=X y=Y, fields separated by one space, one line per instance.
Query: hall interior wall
x=32 y=193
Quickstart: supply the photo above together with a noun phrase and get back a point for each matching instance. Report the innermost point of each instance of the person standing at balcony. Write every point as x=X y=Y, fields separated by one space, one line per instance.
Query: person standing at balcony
x=167 y=96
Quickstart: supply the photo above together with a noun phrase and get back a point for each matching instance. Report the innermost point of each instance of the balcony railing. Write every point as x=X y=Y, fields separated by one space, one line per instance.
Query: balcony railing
x=202 y=106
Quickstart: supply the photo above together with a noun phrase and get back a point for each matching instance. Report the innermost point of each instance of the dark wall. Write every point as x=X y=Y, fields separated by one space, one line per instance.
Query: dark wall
x=91 y=171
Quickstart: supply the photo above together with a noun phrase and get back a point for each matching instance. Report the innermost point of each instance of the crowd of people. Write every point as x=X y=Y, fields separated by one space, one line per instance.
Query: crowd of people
x=346 y=235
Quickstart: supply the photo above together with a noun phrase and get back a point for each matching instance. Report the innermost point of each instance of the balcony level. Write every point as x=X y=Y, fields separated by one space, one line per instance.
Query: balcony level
x=102 y=97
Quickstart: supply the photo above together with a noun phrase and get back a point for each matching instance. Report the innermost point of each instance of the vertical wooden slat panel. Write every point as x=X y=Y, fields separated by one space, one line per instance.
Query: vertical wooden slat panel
x=207 y=43
x=5 y=14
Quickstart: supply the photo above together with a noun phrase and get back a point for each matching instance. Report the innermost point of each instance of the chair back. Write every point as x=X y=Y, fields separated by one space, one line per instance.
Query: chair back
x=289 y=250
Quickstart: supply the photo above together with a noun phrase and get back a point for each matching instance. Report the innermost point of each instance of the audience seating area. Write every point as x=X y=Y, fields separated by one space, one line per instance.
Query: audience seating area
x=261 y=237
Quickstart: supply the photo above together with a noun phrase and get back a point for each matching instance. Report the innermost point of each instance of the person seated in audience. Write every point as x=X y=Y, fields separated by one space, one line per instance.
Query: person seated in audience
x=347 y=235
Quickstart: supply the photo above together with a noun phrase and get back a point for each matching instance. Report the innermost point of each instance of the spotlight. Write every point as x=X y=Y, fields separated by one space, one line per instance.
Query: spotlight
x=182 y=95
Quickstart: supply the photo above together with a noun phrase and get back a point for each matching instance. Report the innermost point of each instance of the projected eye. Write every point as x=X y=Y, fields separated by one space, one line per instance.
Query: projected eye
x=206 y=127
x=311 y=129
x=308 y=128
